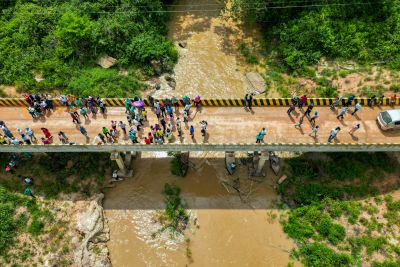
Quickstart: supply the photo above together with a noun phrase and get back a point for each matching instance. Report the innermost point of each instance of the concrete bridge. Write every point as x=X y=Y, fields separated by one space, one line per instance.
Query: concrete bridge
x=229 y=129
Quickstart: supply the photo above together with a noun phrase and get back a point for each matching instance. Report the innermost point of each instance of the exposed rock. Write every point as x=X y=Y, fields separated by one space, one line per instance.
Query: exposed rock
x=256 y=81
x=157 y=66
x=91 y=223
x=182 y=44
x=106 y=61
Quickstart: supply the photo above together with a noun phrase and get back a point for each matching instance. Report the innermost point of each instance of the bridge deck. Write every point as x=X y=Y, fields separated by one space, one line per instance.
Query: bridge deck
x=226 y=125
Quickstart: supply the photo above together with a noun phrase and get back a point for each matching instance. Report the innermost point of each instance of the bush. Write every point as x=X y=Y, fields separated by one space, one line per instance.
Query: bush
x=58 y=39
x=103 y=82
x=333 y=232
x=318 y=255
x=304 y=35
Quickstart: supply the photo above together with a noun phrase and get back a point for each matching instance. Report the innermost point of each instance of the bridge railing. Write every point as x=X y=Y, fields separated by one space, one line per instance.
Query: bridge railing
x=213 y=102
x=295 y=147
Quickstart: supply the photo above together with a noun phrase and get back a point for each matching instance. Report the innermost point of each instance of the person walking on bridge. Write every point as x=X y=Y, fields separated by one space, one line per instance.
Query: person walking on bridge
x=83 y=131
x=179 y=127
x=349 y=100
x=244 y=101
x=393 y=100
x=260 y=136
x=336 y=102
x=191 y=130
x=314 y=131
x=84 y=113
x=105 y=131
x=313 y=118
x=122 y=126
x=355 y=128
x=308 y=110
x=250 y=101
x=371 y=101
x=63 y=138
x=301 y=119
x=356 y=108
x=291 y=109
x=380 y=103
x=29 y=132
x=75 y=117
x=342 y=112
x=333 y=134
x=46 y=133
x=303 y=101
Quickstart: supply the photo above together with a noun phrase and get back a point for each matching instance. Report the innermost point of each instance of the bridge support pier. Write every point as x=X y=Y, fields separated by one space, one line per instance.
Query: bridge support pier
x=262 y=158
x=123 y=165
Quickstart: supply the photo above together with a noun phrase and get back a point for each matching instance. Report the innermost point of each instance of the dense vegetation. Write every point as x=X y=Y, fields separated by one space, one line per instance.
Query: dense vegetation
x=330 y=221
x=304 y=33
x=61 y=40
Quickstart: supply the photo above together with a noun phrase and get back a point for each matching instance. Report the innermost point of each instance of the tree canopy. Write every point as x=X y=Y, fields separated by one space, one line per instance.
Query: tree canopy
x=307 y=30
x=61 y=40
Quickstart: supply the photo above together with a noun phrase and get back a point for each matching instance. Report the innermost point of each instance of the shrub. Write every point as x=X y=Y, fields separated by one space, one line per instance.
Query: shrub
x=317 y=254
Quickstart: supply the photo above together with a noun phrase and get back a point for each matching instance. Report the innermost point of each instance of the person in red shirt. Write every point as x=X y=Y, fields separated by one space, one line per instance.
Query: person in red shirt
x=303 y=100
x=150 y=137
x=46 y=133
x=147 y=141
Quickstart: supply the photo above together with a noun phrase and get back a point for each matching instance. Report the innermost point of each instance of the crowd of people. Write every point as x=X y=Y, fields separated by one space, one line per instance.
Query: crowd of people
x=133 y=128
x=340 y=105
x=137 y=129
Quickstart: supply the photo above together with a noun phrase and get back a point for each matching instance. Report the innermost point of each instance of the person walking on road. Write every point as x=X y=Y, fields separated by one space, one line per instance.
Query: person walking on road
x=380 y=102
x=114 y=125
x=63 y=138
x=46 y=133
x=333 y=134
x=313 y=118
x=191 y=131
x=356 y=108
x=29 y=132
x=303 y=101
x=393 y=100
x=105 y=131
x=291 y=109
x=179 y=127
x=250 y=101
x=84 y=113
x=372 y=101
x=349 y=100
x=83 y=130
x=309 y=109
x=342 y=112
x=354 y=128
x=26 y=139
x=244 y=101
x=301 y=119
x=260 y=136
x=75 y=117
x=314 y=131
x=336 y=102
x=122 y=126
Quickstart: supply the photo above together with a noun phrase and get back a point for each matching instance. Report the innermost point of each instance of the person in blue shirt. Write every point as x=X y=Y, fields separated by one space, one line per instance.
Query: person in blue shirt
x=191 y=131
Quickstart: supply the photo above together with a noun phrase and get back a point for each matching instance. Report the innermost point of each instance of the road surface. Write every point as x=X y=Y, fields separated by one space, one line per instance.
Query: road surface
x=225 y=125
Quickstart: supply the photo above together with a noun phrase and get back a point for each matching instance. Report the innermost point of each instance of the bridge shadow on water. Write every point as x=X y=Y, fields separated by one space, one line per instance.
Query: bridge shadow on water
x=207 y=185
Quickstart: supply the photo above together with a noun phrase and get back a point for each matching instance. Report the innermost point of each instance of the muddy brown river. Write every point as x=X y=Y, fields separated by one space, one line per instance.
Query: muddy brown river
x=231 y=230
x=209 y=64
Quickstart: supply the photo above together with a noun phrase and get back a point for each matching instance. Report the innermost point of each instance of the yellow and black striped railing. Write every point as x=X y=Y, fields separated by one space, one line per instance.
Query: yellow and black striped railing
x=233 y=102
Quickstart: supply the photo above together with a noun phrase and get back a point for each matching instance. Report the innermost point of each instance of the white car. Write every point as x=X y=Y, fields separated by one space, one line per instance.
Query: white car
x=389 y=119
